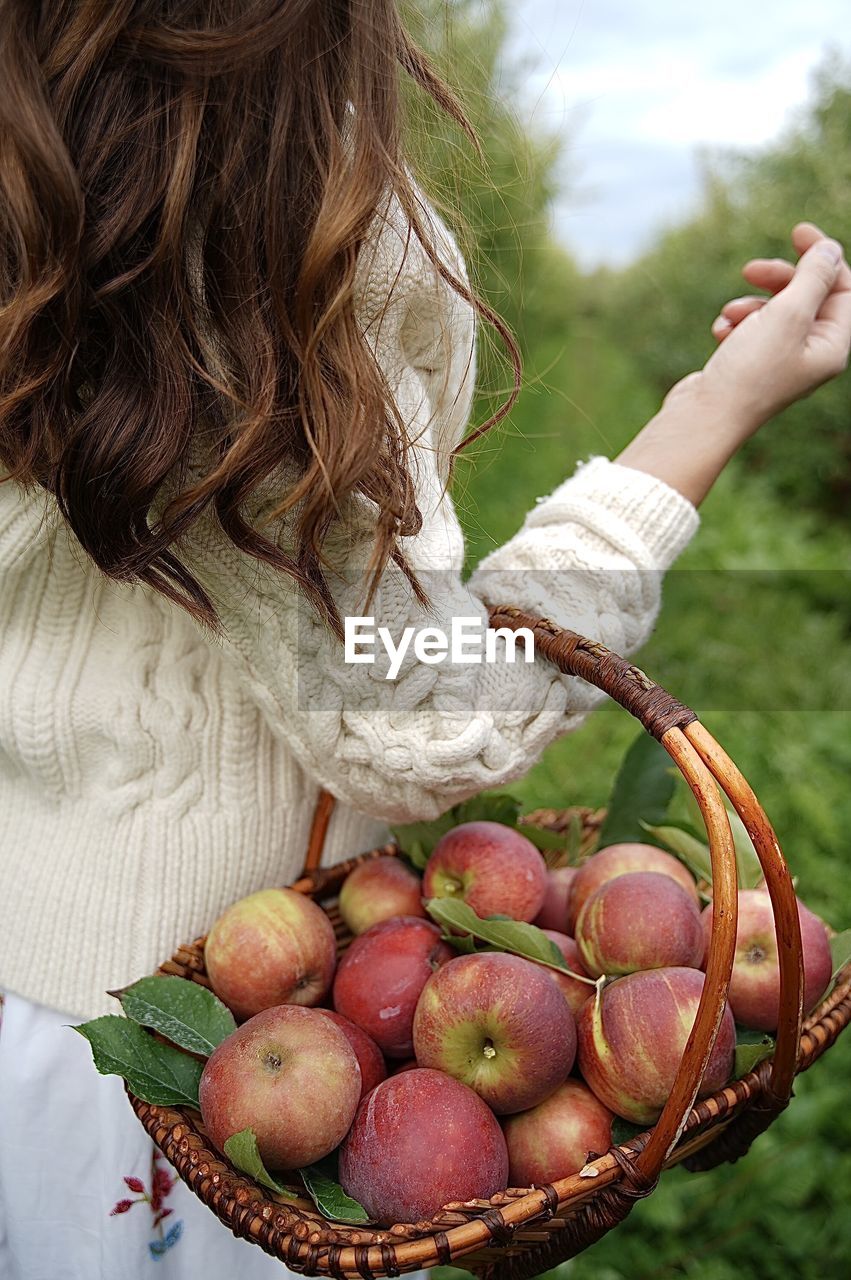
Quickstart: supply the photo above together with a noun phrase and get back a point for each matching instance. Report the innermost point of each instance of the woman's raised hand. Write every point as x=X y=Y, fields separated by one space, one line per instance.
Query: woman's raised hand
x=777 y=349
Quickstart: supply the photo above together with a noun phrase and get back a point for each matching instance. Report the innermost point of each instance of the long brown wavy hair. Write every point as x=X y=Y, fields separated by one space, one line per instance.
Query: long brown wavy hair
x=119 y=124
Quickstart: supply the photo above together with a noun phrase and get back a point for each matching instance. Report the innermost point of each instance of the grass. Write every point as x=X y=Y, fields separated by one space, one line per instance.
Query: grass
x=753 y=634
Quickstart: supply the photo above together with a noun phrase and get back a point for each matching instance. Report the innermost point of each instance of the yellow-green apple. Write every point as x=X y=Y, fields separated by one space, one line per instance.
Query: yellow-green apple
x=500 y=1025
x=491 y=867
x=378 y=890
x=273 y=947
x=755 y=985
x=558 y=1137
x=380 y=978
x=290 y=1075
x=553 y=914
x=373 y=1068
x=574 y=991
x=642 y=920
x=632 y=1037
x=422 y=1140
x=619 y=860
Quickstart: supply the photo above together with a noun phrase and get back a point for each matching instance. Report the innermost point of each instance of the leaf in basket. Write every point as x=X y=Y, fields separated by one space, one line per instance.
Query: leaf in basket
x=747 y=862
x=504 y=934
x=187 y=1014
x=687 y=847
x=544 y=839
x=574 y=840
x=840 y=951
x=241 y=1149
x=752 y=1047
x=642 y=792
x=624 y=1131
x=330 y=1198
x=155 y=1072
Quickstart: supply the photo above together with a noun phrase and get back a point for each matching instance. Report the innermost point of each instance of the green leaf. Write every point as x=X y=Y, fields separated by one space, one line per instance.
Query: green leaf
x=840 y=951
x=752 y=1047
x=687 y=847
x=489 y=806
x=544 y=839
x=417 y=839
x=574 y=840
x=330 y=1198
x=187 y=1014
x=748 y=866
x=624 y=1131
x=747 y=861
x=642 y=792
x=155 y=1072
x=242 y=1151
x=520 y=939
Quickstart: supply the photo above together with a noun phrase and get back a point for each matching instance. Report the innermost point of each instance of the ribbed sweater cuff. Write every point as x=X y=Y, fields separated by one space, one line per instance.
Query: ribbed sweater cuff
x=641 y=514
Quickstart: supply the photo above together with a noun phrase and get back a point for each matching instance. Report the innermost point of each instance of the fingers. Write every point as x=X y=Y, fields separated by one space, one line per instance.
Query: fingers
x=733 y=313
x=771 y=274
x=805 y=235
x=814 y=279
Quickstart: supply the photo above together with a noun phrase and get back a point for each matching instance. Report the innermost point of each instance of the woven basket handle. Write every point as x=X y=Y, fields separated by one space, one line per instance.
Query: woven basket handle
x=705 y=766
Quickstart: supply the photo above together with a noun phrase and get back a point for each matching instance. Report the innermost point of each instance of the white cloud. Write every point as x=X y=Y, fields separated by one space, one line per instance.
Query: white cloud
x=639 y=85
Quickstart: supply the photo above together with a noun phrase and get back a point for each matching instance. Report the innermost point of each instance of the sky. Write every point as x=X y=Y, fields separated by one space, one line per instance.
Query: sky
x=642 y=87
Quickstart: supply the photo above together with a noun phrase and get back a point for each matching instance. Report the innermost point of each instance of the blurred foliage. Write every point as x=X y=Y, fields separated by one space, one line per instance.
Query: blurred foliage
x=754 y=629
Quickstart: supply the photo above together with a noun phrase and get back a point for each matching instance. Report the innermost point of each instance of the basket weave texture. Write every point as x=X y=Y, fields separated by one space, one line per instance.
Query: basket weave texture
x=524 y=1231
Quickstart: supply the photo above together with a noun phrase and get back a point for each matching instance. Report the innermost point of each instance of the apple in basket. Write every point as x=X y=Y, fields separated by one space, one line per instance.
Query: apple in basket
x=558 y=1137
x=491 y=867
x=377 y=890
x=642 y=920
x=755 y=984
x=574 y=992
x=289 y=1074
x=553 y=914
x=631 y=1039
x=273 y=947
x=380 y=978
x=500 y=1025
x=619 y=860
x=373 y=1068
x=419 y=1141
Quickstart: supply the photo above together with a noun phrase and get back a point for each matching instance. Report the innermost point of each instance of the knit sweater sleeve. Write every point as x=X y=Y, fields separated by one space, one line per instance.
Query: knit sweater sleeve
x=590 y=556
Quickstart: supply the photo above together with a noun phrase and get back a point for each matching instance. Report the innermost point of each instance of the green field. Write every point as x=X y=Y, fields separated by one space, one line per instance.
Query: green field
x=754 y=634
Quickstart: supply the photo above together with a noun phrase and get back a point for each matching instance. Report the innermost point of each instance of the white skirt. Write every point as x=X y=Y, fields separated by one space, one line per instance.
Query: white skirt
x=84 y=1192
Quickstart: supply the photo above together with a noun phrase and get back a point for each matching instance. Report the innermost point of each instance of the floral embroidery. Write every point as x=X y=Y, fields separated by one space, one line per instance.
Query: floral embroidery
x=161 y=1185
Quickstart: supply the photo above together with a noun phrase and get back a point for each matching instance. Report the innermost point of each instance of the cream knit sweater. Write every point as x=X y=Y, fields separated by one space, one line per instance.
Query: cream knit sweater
x=149 y=776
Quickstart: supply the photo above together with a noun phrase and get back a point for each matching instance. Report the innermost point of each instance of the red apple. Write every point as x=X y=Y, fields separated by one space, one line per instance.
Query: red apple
x=378 y=890
x=618 y=860
x=642 y=920
x=558 y=1137
x=290 y=1075
x=755 y=984
x=632 y=1038
x=422 y=1140
x=553 y=914
x=575 y=992
x=273 y=947
x=500 y=1025
x=370 y=1058
x=380 y=978
x=491 y=867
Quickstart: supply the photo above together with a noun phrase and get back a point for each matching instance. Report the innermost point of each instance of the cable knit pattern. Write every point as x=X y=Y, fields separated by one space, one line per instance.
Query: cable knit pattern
x=149 y=776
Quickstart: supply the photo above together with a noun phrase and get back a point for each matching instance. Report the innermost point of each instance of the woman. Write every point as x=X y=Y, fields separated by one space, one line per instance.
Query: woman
x=237 y=356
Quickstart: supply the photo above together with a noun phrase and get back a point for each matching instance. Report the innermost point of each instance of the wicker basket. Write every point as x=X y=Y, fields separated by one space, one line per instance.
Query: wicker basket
x=522 y=1232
